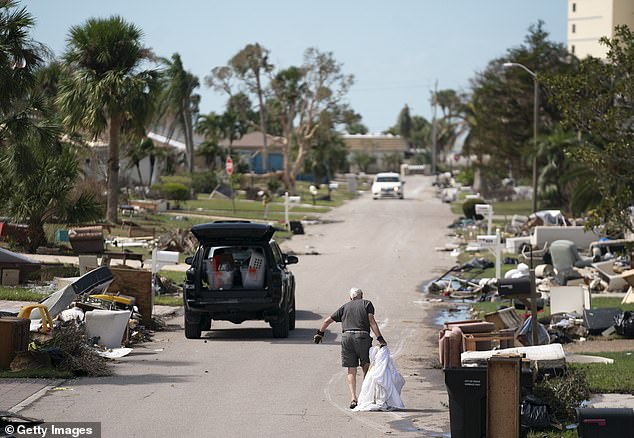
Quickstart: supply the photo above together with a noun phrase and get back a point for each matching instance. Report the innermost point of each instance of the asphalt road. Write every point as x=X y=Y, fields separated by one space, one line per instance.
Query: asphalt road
x=240 y=382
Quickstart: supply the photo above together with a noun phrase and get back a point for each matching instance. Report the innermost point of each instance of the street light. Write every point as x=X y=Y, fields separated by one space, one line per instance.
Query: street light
x=533 y=300
x=535 y=114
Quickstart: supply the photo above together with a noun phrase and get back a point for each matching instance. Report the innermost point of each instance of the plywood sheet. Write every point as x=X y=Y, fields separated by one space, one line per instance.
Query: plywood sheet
x=503 y=397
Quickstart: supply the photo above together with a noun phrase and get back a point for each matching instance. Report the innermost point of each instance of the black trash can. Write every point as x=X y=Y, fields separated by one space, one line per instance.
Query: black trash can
x=605 y=422
x=467 y=390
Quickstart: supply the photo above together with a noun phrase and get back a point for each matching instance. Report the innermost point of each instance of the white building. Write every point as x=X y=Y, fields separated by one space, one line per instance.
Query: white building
x=589 y=20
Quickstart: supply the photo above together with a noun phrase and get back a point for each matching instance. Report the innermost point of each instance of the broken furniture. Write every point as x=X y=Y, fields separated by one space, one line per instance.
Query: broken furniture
x=569 y=299
x=87 y=240
x=122 y=255
x=533 y=256
x=615 y=281
x=451 y=340
x=565 y=256
x=516 y=244
x=504 y=319
x=549 y=356
x=14 y=338
x=18 y=233
x=92 y=282
x=47 y=321
x=503 y=396
x=135 y=283
x=577 y=234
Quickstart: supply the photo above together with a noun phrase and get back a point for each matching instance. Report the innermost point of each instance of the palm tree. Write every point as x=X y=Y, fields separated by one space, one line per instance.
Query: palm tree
x=106 y=89
x=178 y=102
x=21 y=107
x=136 y=153
x=47 y=192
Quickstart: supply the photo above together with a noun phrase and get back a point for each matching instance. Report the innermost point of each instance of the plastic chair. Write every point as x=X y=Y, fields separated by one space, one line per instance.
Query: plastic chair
x=565 y=256
x=47 y=321
x=534 y=255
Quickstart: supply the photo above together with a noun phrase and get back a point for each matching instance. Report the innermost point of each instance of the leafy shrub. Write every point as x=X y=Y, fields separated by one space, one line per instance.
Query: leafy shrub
x=204 y=182
x=175 y=191
x=564 y=393
x=273 y=185
x=465 y=177
x=468 y=208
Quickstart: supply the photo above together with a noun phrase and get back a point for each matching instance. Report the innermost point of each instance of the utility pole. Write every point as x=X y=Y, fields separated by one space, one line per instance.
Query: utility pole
x=434 y=145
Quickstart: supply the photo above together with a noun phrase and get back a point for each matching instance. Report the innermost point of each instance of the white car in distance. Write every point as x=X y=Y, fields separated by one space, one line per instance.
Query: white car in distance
x=387 y=185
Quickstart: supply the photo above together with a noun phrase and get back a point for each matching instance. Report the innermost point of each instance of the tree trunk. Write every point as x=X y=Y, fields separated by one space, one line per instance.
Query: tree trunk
x=138 y=171
x=189 y=136
x=286 y=174
x=36 y=237
x=265 y=152
x=114 y=130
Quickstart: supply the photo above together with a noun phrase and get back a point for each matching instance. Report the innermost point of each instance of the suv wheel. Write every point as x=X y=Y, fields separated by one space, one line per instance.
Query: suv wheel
x=280 y=327
x=193 y=325
x=205 y=324
x=291 y=318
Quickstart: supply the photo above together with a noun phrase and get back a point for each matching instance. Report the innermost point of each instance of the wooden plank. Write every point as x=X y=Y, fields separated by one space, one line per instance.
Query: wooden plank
x=503 y=396
x=136 y=283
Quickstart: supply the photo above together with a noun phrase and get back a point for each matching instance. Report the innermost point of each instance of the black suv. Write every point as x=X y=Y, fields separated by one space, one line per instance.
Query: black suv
x=238 y=273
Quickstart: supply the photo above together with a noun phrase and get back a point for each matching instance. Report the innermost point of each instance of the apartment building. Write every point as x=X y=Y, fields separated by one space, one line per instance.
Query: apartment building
x=589 y=20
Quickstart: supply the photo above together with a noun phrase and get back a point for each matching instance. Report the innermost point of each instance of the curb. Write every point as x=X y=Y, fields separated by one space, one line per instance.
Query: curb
x=34 y=397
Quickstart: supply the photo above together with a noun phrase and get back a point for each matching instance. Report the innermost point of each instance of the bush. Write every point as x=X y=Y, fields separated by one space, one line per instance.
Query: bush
x=273 y=185
x=204 y=182
x=468 y=208
x=564 y=393
x=174 y=191
x=465 y=177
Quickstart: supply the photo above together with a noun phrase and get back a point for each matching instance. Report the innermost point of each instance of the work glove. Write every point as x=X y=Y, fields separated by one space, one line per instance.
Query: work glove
x=381 y=341
x=318 y=337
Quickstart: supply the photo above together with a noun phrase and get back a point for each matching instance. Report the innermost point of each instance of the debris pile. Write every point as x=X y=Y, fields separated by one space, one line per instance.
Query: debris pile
x=78 y=328
x=552 y=260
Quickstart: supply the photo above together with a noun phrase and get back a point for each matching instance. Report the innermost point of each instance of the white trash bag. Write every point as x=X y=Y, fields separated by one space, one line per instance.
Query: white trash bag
x=381 y=389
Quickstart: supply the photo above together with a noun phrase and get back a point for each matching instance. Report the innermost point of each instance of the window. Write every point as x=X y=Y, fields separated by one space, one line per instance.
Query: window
x=574 y=28
x=574 y=7
x=572 y=49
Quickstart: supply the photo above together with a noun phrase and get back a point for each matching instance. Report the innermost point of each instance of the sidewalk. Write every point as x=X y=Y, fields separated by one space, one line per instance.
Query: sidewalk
x=74 y=260
x=16 y=394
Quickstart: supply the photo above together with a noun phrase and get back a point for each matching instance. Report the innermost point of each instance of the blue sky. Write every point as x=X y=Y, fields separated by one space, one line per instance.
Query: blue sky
x=396 y=50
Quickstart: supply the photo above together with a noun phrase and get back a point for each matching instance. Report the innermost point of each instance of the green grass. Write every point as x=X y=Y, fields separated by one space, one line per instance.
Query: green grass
x=41 y=373
x=19 y=294
x=176 y=276
x=169 y=300
x=481 y=308
x=603 y=302
x=553 y=434
x=615 y=378
x=509 y=208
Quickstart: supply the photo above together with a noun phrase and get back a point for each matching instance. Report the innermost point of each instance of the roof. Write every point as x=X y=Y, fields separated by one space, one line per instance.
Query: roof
x=375 y=143
x=253 y=140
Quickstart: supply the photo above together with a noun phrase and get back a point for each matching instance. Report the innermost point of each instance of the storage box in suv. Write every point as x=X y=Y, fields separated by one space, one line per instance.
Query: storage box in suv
x=238 y=273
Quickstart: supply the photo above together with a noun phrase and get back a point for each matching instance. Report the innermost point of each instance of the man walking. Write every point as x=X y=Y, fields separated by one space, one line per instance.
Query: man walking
x=356 y=318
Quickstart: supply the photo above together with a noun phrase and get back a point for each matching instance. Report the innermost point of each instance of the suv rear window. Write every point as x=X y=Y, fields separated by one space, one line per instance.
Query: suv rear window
x=234 y=267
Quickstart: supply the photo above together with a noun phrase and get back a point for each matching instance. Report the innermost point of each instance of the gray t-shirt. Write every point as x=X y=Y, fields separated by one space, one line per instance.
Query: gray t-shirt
x=354 y=315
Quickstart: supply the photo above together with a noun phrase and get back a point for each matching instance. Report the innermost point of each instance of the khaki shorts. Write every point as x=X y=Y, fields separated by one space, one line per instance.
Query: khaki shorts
x=355 y=349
